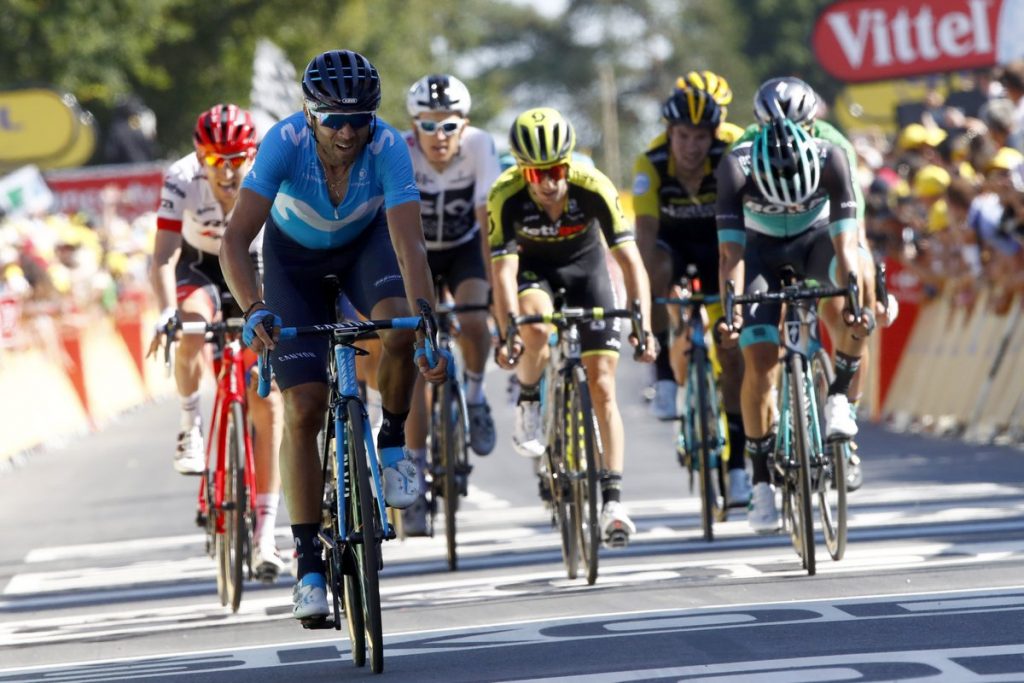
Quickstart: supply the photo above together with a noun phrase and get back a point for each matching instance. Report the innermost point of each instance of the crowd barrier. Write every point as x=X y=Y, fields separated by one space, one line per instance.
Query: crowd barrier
x=91 y=372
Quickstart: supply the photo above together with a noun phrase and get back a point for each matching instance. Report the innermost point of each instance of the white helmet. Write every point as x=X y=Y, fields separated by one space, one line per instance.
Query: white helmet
x=438 y=92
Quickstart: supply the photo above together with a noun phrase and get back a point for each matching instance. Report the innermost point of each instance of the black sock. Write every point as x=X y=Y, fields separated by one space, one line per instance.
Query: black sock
x=758 y=451
x=662 y=366
x=737 y=440
x=392 y=429
x=308 y=558
x=529 y=392
x=611 y=487
x=846 y=368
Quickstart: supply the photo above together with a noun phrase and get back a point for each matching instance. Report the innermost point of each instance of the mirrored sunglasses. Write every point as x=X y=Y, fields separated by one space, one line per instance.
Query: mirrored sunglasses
x=449 y=126
x=537 y=175
x=337 y=121
x=214 y=160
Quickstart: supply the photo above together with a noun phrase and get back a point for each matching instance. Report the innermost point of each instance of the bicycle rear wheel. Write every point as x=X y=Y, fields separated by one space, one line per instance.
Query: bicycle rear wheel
x=800 y=402
x=698 y=375
x=365 y=533
x=450 y=428
x=232 y=552
x=581 y=462
x=832 y=473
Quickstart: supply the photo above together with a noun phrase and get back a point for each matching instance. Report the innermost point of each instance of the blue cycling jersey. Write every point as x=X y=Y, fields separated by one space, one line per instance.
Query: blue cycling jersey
x=288 y=171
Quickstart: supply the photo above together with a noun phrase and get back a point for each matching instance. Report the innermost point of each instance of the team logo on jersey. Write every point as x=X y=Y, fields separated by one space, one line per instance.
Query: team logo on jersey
x=641 y=183
x=297 y=137
x=385 y=138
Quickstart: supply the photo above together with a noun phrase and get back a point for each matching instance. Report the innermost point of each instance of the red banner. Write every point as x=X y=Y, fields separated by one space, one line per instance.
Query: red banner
x=81 y=189
x=869 y=40
x=909 y=292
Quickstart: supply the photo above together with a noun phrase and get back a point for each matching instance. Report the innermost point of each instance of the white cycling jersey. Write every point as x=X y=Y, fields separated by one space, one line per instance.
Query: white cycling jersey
x=187 y=205
x=448 y=199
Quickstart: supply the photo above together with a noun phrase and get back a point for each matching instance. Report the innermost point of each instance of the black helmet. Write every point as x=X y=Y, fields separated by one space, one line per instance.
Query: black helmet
x=341 y=81
x=692 y=106
x=786 y=98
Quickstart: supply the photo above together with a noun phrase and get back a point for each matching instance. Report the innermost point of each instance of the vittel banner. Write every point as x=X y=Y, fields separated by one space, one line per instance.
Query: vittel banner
x=869 y=40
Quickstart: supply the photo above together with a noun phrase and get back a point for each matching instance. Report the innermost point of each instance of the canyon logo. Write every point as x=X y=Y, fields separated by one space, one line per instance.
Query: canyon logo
x=869 y=40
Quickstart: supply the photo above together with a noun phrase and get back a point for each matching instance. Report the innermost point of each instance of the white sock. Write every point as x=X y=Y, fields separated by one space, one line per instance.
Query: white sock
x=189 y=411
x=474 y=388
x=374 y=409
x=266 y=517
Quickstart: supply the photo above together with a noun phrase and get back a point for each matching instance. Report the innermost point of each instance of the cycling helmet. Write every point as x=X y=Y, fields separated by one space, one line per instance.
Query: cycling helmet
x=788 y=98
x=692 y=107
x=785 y=163
x=438 y=92
x=541 y=137
x=715 y=85
x=341 y=81
x=225 y=129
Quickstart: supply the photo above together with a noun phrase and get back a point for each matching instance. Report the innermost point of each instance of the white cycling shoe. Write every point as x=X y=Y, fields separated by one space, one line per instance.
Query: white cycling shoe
x=616 y=526
x=190 y=455
x=762 y=515
x=839 y=421
x=309 y=597
x=401 y=483
x=267 y=563
x=528 y=432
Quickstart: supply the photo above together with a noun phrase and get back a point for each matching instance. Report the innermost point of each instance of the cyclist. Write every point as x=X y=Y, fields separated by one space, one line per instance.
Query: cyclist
x=798 y=102
x=674 y=191
x=196 y=202
x=455 y=166
x=547 y=217
x=786 y=199
x=335 y=188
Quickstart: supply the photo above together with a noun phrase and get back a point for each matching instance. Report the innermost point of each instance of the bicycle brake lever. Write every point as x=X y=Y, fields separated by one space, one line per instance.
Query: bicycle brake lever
x=638 y=330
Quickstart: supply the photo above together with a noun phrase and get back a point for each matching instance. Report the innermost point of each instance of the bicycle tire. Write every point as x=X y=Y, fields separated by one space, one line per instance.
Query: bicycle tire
x=363 y=512
x=583 y=431
x=561 y=489
x=699 y=363
x=832 y=470
x=801 y=446
x=450 y=425
x=232 y=541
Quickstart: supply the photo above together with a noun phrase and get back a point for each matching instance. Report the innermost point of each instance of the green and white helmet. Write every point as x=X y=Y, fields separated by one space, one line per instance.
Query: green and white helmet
x=785 y=163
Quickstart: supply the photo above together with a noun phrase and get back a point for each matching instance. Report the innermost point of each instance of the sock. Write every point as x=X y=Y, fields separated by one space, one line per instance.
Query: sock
x=846 y=368
x=266 y=518
x=611 y=487
x=189 y=411
x=474 y=387
x=373 y=409
x=419 y=456
x=308 y=551
x=662 y=366
x=529 y=392
x=758 y=450
x=737 y=440
x=392 y=429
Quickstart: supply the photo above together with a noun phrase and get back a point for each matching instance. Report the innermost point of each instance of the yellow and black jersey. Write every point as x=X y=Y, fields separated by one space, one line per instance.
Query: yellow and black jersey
x=520 y=226
x=657 y=193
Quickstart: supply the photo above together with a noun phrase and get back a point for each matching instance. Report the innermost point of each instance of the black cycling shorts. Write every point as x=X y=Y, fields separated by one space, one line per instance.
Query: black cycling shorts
x=458 y=264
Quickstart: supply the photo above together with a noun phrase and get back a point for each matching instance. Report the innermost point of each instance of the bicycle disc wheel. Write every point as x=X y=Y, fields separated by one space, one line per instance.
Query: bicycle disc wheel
x=802 y=447
x=832 y=471
x=450 y=428
x=582 y=441
x=561 y=487
x=232 y=551
x=698 y=375
x=368 y=530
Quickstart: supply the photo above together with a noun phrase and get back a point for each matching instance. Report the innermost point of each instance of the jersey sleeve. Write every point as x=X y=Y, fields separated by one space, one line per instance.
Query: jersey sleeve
x=394 y=167
x=274 y=157
x=501 y=235
x=646 y=184
x=172 y=199
x=837 y=181
x=487 y=167
x=826 y=131
x=729 y=203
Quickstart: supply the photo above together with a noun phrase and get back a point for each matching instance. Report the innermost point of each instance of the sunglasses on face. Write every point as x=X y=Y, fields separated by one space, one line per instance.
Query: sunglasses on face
x=537 y=175
x=336 y=121
x=214 y=160
x=449 y=126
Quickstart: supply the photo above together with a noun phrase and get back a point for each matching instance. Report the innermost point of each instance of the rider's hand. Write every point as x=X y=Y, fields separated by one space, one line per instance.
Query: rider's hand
x=166 y=317
x=862 y=326
x=501 y=354
x=729 y=338
x=650 y=349
x=262 y=330
x=886 y=315
x=443 y=369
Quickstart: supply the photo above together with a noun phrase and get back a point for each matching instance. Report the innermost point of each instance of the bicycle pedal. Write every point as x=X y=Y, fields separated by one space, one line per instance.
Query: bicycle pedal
x=316 y=623
x=201 y=519
x=617 y=538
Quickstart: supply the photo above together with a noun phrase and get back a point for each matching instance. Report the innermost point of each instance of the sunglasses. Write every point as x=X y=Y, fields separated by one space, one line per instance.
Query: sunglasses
x=537 y=175
x=449 y=126
x=337 y=121
x=214 y=160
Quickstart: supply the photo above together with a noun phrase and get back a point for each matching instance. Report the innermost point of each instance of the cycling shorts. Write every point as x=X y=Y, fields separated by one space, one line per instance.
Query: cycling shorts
x=684 y=250
x=457 y=264
x=197 y=270
x=367 y=270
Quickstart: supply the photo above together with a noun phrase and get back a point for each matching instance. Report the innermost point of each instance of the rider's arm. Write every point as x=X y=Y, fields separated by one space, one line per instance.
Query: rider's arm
x=166 y=250
x=646 y=183
x=503 y=253
x=487 y=171
x=407 y=238
x=843 y=226
x=247 y=219
x=729 y=217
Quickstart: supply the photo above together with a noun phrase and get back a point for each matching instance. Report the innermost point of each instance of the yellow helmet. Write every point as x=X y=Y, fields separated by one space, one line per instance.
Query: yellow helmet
x=710 y=82
x=541 y=137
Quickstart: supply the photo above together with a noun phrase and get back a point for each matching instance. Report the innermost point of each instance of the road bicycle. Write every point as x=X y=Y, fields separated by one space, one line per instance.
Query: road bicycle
x=801 y=462
x=700 y=438
x=226 y=506
x=355 y=521
x=570 y=472
x=448 y=436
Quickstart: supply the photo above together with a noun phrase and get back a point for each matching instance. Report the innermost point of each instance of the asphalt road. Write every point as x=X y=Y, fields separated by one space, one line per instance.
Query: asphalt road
x=103 y=577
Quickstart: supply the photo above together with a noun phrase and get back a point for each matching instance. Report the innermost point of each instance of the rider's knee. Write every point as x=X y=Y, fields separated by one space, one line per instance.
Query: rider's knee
x=760 y=359
x=304 y=409
x=398 y=342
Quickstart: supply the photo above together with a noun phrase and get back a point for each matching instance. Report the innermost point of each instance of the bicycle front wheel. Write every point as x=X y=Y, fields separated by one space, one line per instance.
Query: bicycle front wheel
x=232 y=552
x=831 y=478
x=699 y=378
x=582 y=463
x=800 y=402
x=364 y=536
x=559 y=473
x=451 y=438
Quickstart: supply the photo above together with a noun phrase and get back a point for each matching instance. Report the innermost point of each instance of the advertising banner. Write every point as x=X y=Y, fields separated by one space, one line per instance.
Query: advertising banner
x=81 y=189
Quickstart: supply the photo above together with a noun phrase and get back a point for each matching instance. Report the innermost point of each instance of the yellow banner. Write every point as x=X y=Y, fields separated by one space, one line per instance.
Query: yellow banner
x=37 y=125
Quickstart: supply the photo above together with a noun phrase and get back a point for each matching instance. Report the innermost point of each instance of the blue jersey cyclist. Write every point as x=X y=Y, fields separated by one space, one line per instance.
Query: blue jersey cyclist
x=334 y=187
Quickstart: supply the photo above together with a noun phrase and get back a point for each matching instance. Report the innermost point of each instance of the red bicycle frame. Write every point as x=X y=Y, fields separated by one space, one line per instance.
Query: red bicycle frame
x=230 y=390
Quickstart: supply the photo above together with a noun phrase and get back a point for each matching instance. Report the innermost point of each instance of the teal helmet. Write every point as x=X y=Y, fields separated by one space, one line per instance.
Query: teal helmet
x=785 y=163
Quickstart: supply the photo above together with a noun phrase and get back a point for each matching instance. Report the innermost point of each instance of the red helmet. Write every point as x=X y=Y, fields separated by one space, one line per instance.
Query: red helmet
x=225 y=129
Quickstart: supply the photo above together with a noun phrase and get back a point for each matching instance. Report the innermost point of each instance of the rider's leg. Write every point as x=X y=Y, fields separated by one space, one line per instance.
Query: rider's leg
x=189 y=359
x=760 y=360
x=267 y=415
x=665 y=386
x=475 y=343
x=527 y=436
x=730 y=383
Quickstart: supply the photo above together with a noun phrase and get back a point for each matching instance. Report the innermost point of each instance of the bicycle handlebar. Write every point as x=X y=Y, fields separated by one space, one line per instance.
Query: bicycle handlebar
x=570 y=315
x=791 y=293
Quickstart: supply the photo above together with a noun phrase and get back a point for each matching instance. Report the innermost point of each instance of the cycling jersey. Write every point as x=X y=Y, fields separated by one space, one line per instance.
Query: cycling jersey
x=449 y=198
x=289 y=172
x=519 y=225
